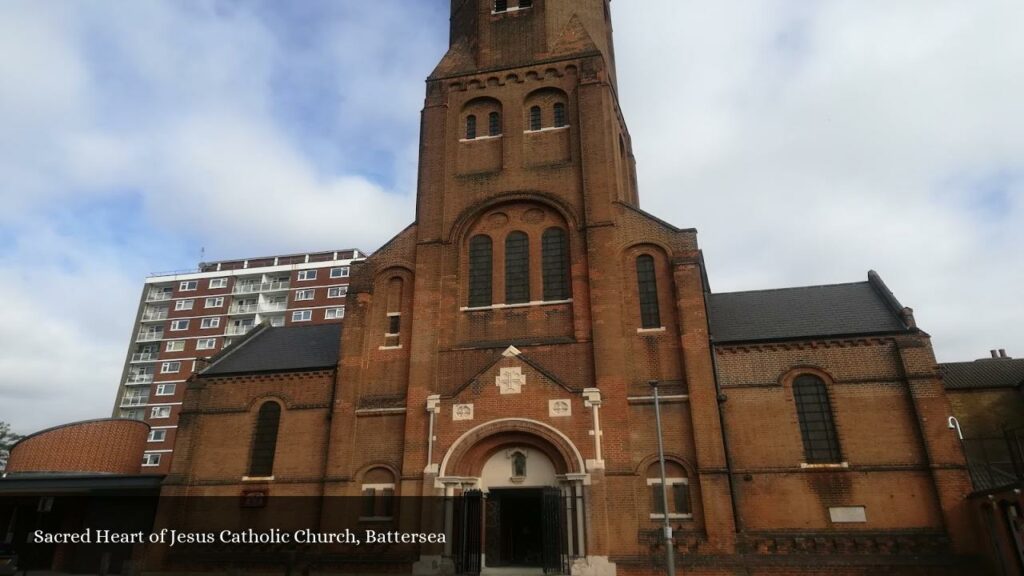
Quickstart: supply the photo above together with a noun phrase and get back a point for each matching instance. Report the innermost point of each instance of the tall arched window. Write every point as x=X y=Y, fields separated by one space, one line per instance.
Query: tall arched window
x=494 y=124
x=560 y=118
x=647 y=284
x=535 y=118
x=821 y=444
x=517 y=268
x=555 y=262
x=470 y=127
x=480 y=271
x=264 y=441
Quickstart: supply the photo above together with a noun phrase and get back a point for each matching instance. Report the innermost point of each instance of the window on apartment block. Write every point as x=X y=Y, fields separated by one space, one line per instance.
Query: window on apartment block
x=166 y=389
x=378 y=490
x=821 y=443
x=170 y=367
x=470 y=127
x=517 y=268
x=188 y=286
x=157 y=435
x=179 y=325
x=184 y=305
x=480 y=271
x=206 y=344
x=337 y=292
x=216 y=283
x=176 y=346
x=214 y=302
x=555 y=262
x=340 y=272
x=301 y=295
x=159 y=412
x=678 y=485
x=208 y=323
x=307 y=275
x=647 y=285
x=334 y=313
x=302 y=316
x=149 y=460
x=264 y=441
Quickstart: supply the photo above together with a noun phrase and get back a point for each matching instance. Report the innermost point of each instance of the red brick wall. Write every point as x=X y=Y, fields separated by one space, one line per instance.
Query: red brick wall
x=102 y=446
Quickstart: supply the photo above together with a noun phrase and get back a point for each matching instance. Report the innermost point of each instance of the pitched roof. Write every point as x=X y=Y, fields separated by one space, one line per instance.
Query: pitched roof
x=270 y=349
x=859 y=308
x=984 y=373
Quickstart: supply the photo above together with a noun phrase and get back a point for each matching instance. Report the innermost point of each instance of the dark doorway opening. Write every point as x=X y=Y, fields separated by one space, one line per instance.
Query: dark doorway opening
x=515 y=528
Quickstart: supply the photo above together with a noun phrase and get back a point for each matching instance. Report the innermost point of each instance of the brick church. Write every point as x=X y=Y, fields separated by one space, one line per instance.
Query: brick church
x=502 y=348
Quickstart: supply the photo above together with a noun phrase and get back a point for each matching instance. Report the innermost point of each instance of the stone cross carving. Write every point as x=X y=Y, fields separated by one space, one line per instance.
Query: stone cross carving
x=511 y=380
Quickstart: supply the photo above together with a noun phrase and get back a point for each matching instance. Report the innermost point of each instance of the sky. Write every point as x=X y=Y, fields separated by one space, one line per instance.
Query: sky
x=808 y=142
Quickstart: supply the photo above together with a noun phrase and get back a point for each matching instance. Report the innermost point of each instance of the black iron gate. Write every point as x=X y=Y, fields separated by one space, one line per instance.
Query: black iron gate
x=467 y=525
x=555 y=532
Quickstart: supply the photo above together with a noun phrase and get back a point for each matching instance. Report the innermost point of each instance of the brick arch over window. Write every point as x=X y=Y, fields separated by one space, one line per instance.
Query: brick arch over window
x=481 y=117
x=546 y=108
x=264 y=440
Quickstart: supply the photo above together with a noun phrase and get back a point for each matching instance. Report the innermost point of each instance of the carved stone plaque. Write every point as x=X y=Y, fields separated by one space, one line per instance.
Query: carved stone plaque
x=511 y=380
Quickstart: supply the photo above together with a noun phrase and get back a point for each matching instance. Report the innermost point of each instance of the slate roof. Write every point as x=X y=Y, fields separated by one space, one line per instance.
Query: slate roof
x=859 y=308
x=290 y=348
x=984 y=373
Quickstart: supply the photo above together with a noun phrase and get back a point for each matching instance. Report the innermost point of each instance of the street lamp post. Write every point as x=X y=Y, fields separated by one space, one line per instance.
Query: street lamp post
x=670 y=552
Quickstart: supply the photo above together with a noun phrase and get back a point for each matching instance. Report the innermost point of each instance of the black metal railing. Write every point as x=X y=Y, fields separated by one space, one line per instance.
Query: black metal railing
x=996 y=462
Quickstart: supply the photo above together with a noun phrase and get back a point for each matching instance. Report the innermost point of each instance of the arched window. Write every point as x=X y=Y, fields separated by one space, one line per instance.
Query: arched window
x=494 y=124
x=560 y=119
x=535 y=118
x=264 y=441
x=480 y=271
x=555 y=262
x=517 y=268
x=821 y=444
x=678 y=490
x=500 y=5
x=470 y=127
x=647 y=284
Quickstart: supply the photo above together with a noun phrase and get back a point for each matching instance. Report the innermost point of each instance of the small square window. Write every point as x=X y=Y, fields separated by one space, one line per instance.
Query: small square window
x=301 y=295
x=179 y=325
x=170 y=367
x=188 y=286
x=184 y=304
x=214 y=302
x=176 y=346
x=206 y=344
x=302 y=316
x=216 y=283
x=160 y=412
x=337 y=292
x=166 y=389
x=334 y=313
x=341 y=272
x=151 y=459
x=208 y=323
x=157 y=436
x=378 y=502
x=307 y=275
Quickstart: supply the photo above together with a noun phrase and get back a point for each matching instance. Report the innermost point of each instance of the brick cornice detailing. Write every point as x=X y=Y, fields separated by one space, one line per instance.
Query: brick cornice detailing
x=801 y=345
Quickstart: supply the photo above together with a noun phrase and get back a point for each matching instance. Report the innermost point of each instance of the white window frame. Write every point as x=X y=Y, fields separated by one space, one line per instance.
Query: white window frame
x=217 y=283
x=671 y=482
x=159 y=412
x=208 y=323
x=188 y=286
x=304 y=295
x=184 y=305
x=157 y=436
x=340 y=272
x=162 y=389
x=302 y=315
x=175 y=346
x=165 y=368
x=334 y=313
x=217 y=302
x=206 y=344
x=306 y=275
x=179 y=325
x=337 y=292
x=151 y=460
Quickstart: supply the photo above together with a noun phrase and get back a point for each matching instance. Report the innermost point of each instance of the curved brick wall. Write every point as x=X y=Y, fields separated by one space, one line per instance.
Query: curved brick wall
x=112 y=446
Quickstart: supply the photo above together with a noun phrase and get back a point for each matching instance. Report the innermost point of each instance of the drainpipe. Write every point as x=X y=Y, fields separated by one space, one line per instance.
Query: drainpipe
x=433 y=407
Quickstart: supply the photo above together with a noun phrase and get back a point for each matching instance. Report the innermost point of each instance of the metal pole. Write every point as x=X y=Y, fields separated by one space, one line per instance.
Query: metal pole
x=670 y=551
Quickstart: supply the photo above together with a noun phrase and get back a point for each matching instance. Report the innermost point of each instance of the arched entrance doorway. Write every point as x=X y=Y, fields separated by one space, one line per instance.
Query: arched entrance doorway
x=516 y=493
